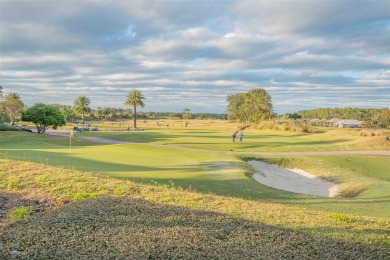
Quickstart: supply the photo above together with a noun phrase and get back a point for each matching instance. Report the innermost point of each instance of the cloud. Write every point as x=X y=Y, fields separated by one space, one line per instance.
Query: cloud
x=194 y=53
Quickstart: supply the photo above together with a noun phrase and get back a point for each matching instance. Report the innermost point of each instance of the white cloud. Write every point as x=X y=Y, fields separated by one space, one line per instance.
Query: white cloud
x=197 y=52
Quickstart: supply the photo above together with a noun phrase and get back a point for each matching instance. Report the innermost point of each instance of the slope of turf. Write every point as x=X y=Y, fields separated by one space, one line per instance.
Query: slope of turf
x=66 y=185
x=113 y=228
x=217 y=172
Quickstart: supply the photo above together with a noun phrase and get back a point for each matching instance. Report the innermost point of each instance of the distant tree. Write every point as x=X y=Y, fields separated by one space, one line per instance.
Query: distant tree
x=81 y=106
x=384 y=119
x=13 y=105
x=107 y=113
x=43 y=116
x=128 y=113
x=67 y=112
x=201 y=116
x=151 y=115
x=235 y=105
x=172 y=115
x=250 y=106
x=293 y=116
x=187 y=113
x=2 y=115
x=135 y=98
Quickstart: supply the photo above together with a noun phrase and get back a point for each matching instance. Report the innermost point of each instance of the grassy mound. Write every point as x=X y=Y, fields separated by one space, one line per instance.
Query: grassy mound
x=65 y=185
x=124 y=228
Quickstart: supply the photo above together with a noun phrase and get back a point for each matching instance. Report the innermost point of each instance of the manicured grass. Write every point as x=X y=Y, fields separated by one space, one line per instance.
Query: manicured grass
x=254 y=140
x=203 y=187
x=69 y=185
x=216 y=172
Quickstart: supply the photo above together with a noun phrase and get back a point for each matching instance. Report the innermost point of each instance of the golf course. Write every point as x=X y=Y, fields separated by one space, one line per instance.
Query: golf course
x=189 y=192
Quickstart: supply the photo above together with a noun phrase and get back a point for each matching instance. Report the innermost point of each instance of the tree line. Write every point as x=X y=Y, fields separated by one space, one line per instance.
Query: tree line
x=248 y=107
x=43 y=115
x=377 y=117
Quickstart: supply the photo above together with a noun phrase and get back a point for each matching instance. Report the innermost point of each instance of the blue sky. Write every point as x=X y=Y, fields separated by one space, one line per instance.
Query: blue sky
x=192 y=54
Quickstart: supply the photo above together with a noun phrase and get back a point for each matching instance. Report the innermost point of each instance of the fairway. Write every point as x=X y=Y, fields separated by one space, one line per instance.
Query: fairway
x=133 y=179
x=208 y=162
x=254 y=140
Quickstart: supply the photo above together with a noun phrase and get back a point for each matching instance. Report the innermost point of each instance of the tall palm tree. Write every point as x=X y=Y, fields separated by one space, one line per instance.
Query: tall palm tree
x=135 y=98
x=81 y=106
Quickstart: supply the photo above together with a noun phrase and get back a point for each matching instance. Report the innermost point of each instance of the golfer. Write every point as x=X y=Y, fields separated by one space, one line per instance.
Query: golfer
x=234 y=136
x=241 y=135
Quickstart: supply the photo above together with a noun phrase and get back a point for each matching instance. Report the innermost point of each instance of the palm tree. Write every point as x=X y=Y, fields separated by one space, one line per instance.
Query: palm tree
x=81 y=106
x=135 y=98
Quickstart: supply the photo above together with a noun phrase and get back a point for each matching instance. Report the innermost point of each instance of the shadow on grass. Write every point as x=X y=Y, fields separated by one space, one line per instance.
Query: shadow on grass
x=124 y=228
x=82 y=164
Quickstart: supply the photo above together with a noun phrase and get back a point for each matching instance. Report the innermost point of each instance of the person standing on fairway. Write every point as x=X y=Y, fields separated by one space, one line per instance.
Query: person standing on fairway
x=241 y=135
x=234 y=136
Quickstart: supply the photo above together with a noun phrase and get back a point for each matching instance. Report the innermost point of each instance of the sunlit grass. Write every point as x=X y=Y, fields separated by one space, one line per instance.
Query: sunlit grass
x=63 y=184
x=217 y=172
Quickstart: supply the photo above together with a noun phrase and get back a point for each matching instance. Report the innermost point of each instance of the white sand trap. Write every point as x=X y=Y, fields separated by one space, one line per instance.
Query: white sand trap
x=293 y=180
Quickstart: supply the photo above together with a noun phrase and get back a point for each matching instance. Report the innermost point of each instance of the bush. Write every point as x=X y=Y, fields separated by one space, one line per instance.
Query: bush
x=299 y=126
x=4 y=127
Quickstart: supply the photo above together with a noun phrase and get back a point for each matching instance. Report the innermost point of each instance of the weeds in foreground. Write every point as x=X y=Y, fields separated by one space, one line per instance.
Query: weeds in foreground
x=19 y=213
x=341 y=218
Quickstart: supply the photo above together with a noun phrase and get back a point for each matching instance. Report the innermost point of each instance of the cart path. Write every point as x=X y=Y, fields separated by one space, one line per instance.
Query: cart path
x=105 y=140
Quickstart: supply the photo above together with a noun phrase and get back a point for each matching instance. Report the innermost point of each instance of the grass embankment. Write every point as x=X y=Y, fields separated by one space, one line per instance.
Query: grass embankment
x=207 y=226
x=217 y=172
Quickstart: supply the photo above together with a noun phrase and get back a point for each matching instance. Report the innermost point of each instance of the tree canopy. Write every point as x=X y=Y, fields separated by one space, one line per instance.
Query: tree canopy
x=250 y=106
x=13 y=105
x=43 y=116
x=187 y=113
x=135 y=98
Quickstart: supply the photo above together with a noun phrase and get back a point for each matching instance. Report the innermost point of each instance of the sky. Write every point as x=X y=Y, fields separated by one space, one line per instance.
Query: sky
x=193 y=54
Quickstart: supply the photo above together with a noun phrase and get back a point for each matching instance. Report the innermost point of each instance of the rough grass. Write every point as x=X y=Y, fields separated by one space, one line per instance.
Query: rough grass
x=297 y=126
x=33 y=180
x=124 y=228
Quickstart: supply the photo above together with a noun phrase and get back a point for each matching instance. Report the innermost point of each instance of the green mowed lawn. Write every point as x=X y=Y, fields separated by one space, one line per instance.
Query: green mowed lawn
x=218 y=172
x=254 y=140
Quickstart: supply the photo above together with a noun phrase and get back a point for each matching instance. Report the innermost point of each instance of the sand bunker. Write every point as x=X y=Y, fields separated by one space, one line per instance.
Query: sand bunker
x=293 y=180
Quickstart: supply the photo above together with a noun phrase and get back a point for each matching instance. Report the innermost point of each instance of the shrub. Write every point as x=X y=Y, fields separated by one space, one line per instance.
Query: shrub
x=299 y=126
x=4 y=127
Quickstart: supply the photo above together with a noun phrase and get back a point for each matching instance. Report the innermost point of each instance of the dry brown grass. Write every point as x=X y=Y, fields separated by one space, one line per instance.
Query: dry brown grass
x=125 y=228
x=374 y=132
x=65 y=185
x=284 y=125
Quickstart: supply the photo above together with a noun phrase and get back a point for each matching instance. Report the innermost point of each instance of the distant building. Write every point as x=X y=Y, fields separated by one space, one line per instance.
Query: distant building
x=346 y=123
